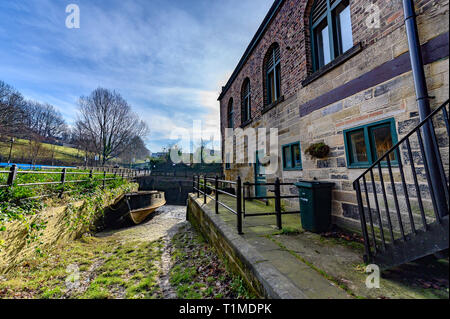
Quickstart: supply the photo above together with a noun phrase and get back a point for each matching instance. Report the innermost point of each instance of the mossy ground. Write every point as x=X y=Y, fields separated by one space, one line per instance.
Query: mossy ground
x=199 y=274
x=91 y=268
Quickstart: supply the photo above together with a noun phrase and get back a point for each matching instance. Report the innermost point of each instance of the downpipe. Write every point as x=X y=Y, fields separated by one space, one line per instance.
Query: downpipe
x=423 y=102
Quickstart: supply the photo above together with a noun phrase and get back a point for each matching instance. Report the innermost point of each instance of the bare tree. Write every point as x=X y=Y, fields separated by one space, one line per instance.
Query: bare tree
x=109 y=122
x=35 y=146
x=135 y=149
x=44 y=120
x=12 y=111
x=81 y=139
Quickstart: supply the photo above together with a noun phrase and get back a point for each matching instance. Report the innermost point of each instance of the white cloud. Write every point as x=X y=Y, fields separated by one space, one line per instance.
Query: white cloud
x=169 y=59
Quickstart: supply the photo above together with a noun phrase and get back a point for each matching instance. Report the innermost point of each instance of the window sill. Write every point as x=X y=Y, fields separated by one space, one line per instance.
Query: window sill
x=271 y=106
x=293 y=169
x=247 y=123
x=333 y=64
x=366 y=166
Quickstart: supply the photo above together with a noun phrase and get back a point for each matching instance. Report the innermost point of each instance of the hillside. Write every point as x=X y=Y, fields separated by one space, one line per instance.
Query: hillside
x=22 y=151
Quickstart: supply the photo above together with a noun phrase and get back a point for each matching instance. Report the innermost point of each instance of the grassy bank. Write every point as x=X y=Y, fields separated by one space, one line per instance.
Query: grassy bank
x=33 y=228
x=90 y=268
x=61 y=154
x=15 y=203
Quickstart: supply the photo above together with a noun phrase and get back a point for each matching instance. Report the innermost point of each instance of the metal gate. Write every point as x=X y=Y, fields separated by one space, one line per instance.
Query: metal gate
x=402 y=216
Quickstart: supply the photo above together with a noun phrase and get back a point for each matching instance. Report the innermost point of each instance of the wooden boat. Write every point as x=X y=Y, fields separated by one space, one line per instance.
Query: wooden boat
x=133 y=208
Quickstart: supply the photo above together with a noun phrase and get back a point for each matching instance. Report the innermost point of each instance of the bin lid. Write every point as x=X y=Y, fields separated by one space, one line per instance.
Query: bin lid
x=314 y=184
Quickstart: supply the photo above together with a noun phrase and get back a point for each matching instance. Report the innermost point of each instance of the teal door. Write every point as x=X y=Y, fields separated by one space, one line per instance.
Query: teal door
x=260 y=176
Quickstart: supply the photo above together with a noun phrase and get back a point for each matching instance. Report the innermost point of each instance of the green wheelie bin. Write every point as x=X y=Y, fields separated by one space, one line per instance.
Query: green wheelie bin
x=315 y=205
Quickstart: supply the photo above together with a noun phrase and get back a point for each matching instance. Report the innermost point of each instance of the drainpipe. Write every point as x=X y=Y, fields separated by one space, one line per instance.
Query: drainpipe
x=423 y=104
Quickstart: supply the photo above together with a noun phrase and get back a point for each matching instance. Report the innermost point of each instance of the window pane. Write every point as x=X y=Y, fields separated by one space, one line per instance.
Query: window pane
x=287 y=157
x=296 y=154
x=230 y=120
x=246 y=109
x=278 y=92
x=383 y=141
x=358 y=147
x=346 y=33
x=323 y=45
x=271 y=88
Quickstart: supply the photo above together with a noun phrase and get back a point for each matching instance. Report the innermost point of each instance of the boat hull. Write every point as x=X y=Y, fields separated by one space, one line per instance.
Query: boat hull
x=133 y=208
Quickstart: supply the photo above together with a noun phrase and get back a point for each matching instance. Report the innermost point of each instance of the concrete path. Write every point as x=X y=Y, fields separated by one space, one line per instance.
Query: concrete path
x=324 y=268
x=257 y=232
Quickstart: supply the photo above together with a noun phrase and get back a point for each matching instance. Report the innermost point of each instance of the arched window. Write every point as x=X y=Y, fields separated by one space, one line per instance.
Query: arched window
x=246 y=101
x=331 y=30
x=230 y=114
x=272 y=72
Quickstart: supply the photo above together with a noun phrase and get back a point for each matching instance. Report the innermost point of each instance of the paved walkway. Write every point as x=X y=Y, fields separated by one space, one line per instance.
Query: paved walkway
x=331 y=268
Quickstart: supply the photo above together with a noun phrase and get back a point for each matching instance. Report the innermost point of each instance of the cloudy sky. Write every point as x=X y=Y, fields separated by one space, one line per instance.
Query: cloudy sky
x=168 y=58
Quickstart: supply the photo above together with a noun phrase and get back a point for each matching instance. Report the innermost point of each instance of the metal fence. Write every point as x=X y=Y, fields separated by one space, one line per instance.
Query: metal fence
x=182 y=170
x=106 y=175
x=201 y=187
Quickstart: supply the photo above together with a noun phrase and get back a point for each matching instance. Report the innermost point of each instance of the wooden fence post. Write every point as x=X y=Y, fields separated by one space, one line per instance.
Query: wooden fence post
x=63 y=181
x=12 y=175
x=104 y=179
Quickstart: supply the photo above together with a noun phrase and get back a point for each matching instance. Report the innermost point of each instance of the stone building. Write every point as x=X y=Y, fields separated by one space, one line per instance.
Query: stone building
x=336 y=72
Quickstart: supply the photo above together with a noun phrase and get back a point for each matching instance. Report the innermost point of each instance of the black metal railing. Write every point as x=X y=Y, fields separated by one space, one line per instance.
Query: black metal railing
x=201 y=187
x=398 y=206
x=106 y=175
x=278 y=197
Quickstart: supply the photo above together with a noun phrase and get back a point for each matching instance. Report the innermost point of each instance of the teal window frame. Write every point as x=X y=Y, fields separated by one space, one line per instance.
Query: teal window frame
x=369 y=143
x=332 y=20
x=291 y=166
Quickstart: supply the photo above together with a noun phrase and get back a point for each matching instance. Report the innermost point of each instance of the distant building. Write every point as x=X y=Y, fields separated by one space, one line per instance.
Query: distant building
x=159 y=155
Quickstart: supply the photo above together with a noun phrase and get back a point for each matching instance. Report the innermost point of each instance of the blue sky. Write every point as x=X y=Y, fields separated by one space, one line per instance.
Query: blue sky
x=168 y=58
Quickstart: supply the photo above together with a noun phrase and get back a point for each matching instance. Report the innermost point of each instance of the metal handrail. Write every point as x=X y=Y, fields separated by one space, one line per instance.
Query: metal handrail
x=226 y=193
x=200 y=186
x=371 y=212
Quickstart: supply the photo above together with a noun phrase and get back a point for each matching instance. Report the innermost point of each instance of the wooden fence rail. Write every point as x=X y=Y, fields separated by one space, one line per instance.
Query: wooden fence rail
x=107 y=175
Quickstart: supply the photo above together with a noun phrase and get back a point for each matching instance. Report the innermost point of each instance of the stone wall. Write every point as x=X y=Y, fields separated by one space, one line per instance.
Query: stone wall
x=176 y=188
x=241 y=258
